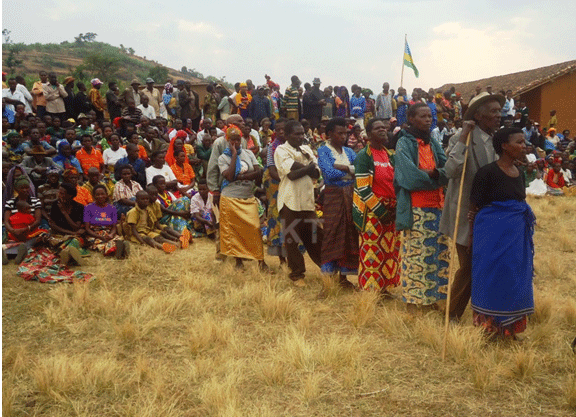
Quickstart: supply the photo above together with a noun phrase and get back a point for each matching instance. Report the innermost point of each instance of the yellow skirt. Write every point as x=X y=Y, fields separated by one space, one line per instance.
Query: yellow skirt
x=240 y=234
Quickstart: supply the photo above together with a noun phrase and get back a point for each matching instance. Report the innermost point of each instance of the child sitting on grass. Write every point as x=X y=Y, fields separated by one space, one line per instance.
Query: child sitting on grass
x=185 y=236
x=201 y=210
x=144 y=226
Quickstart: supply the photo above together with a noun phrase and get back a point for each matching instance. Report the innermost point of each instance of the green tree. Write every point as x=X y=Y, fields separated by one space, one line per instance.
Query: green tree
x=12 y=60
x=122 y=49
x=79 y=39
x=6 y=35
x=131 y=51
x=184 y=70
x=90 y=37
x=103 y=65
x=158 y=73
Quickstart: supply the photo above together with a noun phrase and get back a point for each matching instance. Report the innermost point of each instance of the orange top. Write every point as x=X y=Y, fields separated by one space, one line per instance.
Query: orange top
x=555 y=179
x=89 y=160
x=427 y=198
x=83 y=197
x=183 y=175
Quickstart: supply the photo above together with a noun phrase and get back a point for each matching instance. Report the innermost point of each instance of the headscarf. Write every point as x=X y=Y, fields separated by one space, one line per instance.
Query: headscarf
x=231 y=130
x=20 y=181
x=167 y=96
x=170 y=157
x=52 y=170
x=64 y=161
x=69 y=171
x=10 y=181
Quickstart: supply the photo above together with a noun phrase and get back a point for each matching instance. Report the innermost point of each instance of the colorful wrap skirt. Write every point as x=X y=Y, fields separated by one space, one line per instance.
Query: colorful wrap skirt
x=379 y=253
x=425 y=259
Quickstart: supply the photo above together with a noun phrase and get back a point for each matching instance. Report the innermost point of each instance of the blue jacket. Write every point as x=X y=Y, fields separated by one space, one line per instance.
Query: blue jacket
x=408 y=177
x=326 y=162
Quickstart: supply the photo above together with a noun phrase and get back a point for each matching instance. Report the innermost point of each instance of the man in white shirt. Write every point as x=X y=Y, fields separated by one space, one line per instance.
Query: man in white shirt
x=21 y=86
x=159 y=167
x=146 y=109
x=12 y=95
x=297 y=168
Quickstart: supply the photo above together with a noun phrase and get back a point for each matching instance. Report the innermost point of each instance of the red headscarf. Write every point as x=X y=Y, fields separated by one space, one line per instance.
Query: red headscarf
x=170 y=157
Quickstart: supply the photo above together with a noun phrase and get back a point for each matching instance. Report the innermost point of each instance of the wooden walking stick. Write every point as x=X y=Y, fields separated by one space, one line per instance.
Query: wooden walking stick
x=453 y=248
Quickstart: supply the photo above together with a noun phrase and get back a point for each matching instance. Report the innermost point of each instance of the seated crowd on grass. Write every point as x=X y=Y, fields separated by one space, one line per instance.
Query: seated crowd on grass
x=258 y=169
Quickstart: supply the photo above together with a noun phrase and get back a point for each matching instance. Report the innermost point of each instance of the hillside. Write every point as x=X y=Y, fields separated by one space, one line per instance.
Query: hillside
x=85 y=60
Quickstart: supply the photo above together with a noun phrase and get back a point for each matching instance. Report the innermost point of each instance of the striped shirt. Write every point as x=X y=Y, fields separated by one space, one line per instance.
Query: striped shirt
x=34 y=202
x=291 y=98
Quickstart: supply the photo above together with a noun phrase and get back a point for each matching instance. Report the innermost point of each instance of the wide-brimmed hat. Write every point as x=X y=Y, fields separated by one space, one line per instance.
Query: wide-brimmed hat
x=149 y=80
x=479 y=100
x=134 y=81
x=68 y=80
x=38 y=150
x=316 y=81
x=81 y=116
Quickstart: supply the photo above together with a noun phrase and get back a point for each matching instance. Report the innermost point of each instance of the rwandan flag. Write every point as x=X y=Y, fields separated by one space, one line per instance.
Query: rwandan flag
x=408 y=61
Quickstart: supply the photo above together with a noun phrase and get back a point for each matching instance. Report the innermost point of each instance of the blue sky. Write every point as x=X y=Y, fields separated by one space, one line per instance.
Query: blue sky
x=342 y=42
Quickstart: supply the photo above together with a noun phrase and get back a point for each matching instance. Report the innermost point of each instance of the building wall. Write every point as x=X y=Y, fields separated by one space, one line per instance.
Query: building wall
x=559 y=95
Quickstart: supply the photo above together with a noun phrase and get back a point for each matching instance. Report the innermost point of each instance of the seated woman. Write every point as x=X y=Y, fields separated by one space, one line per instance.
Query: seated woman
x=100 y=219
x=183 y=172
x=67 y=223
x=82 y=195
x=240 y=234
x=65 y=159
x=176 y=211
x=502 y=247
x=555 y=179
x=113 y=154
x=48 y=193
x=125 y=190
x=8 y=189
x=19 y=236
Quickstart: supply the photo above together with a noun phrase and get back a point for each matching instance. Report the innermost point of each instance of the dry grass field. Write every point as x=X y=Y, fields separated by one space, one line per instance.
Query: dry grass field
x=181 y=335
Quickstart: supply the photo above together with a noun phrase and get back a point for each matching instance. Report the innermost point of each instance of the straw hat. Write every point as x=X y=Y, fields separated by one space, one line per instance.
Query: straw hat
x=479 y=100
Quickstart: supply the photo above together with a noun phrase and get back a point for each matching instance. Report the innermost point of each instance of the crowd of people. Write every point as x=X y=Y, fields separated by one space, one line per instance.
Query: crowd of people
x=367 y=185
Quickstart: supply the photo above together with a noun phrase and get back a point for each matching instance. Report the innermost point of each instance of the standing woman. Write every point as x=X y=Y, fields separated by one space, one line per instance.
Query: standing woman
x=342 y=100
x=373 y=211
x=418 y=181
x=502 y=248
x=100 y=219
x=271 y=182
x=340 y=251
x=240 y=234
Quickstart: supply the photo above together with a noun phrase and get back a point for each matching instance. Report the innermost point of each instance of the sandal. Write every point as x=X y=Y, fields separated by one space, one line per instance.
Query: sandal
x=168 y=247
x=185 y=238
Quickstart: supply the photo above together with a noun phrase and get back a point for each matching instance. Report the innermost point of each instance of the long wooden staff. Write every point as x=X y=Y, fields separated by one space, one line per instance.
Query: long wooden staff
x=453 y=248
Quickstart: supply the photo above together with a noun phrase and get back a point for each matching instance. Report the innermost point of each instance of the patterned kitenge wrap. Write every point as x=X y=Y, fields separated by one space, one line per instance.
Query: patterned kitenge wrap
x=425 y=259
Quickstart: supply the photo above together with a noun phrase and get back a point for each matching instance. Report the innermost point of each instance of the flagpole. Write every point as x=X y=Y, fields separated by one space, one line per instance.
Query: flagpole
x=403 y=52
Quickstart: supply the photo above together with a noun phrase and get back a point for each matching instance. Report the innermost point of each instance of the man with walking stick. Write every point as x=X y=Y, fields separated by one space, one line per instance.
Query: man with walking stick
x=473 y=145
